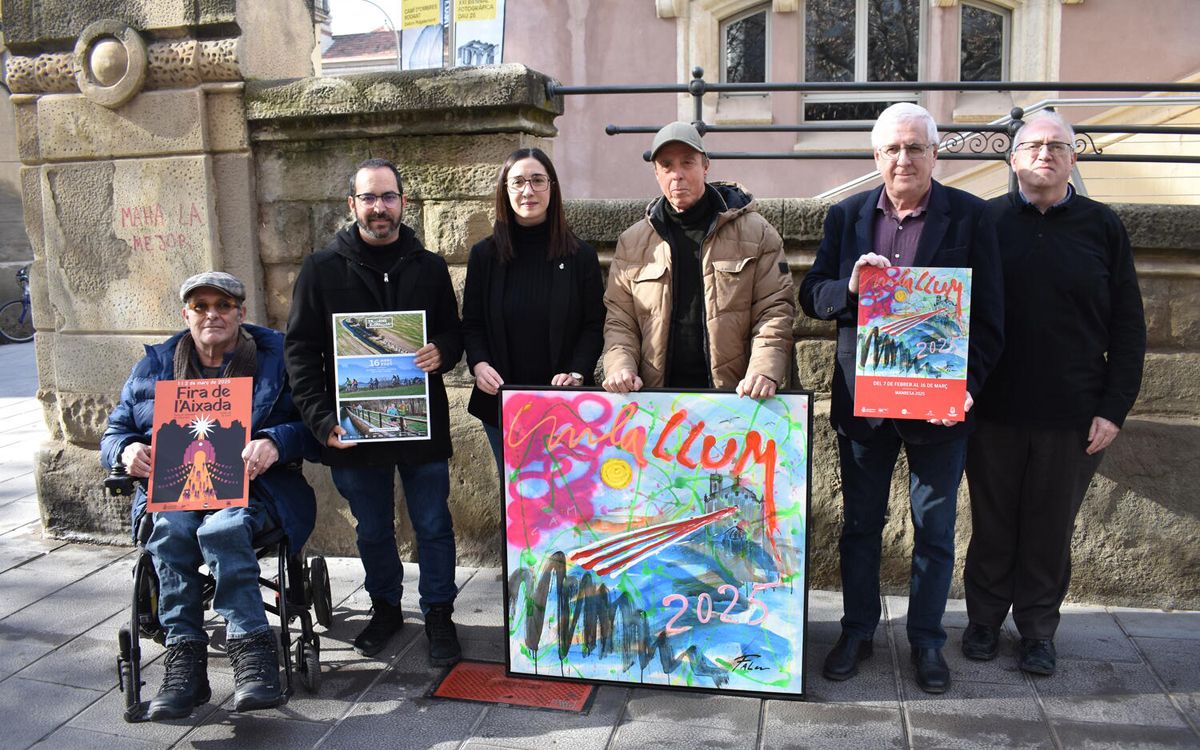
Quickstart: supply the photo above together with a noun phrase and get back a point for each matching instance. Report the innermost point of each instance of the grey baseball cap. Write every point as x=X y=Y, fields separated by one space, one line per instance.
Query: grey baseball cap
x=225 y=282
x=677 y=132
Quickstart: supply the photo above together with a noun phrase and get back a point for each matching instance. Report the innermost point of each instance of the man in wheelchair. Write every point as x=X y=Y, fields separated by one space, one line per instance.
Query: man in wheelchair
x=218 y=344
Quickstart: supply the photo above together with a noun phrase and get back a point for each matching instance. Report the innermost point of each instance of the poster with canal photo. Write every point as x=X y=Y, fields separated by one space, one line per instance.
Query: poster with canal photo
x=381 y=393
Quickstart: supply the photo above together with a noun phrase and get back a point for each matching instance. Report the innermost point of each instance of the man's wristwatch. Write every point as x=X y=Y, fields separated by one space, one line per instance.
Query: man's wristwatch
x=576 y=376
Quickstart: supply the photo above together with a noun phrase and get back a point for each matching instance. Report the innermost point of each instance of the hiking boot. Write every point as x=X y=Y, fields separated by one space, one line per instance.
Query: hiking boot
x=185 y=685
x=255 y=662
x=386 y=621
x=980 y=642
x=1038 y=656
x=443 y=637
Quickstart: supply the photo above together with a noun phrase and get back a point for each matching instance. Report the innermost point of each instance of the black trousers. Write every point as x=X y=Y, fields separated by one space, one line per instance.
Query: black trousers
x=1026 y=488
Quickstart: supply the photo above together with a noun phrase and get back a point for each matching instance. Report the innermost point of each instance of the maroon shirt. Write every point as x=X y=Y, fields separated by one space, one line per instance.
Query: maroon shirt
x=895 y=238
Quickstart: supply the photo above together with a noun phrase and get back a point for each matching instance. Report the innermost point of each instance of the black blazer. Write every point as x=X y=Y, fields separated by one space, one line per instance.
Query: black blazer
x=957 y=233
x=574 y=304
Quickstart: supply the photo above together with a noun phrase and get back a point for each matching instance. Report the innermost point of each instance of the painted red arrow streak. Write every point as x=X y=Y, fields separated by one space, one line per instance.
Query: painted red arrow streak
x=614 y=555
x=903 y=324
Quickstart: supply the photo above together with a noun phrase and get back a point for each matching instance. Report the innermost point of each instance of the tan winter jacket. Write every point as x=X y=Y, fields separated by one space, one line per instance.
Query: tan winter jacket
x=748 y=298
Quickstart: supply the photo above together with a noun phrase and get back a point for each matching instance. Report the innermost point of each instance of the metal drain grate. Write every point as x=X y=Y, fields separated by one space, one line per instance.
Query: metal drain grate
x=485 y=682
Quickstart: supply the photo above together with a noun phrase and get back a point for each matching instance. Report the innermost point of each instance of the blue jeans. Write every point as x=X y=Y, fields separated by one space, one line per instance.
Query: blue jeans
x=369 y=490
x=180 y=541
x=866 y=479
x=496 y=441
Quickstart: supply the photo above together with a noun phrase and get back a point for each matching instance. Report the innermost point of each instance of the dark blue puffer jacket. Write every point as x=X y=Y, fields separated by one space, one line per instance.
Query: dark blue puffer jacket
x=282 y=489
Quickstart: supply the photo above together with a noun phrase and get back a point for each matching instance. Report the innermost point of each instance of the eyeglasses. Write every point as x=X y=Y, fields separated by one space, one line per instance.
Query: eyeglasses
x=390 y=199
x=1058 y=148
x=539 y=183
x=914 y=150
x=222 y=307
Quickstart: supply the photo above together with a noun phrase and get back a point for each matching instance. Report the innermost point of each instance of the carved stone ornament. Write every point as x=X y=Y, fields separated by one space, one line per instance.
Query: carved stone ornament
x=110 y=63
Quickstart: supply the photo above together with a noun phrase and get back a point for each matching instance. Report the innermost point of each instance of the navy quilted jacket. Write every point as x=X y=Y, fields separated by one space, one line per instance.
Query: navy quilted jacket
x=282 y=488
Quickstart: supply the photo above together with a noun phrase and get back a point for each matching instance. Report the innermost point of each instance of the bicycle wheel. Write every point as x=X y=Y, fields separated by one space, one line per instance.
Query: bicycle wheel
x=16 y=322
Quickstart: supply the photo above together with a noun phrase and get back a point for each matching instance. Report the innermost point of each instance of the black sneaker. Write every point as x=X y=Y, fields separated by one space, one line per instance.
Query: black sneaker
x=255 y=662
x=980 y=642
x=443 y=637
x=1038 y=656
x=386 y=621
x=185 y=685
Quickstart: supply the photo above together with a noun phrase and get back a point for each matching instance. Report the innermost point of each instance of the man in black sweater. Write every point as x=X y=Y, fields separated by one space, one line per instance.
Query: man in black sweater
x=375 y=265
x=1075 y=338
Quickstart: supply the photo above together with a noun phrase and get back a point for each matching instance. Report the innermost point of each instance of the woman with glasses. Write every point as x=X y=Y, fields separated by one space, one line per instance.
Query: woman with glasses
x=533 y=309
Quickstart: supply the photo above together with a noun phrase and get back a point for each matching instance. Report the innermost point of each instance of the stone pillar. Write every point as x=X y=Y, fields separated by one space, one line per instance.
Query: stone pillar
x=136 y=173
x=448 y=132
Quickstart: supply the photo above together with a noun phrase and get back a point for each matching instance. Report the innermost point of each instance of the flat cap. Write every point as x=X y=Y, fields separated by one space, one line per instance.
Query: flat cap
x=226 y=282
x=677 y=132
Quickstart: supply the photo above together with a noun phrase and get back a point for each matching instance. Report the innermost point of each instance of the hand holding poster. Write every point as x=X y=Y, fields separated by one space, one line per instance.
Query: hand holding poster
x=913 y=332
x=657 y=538
x=200 y=428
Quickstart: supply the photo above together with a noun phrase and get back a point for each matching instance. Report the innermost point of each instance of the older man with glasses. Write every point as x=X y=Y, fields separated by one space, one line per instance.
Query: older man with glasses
x=218 y=343
x=911 y=220
x=377 y=264
x=1070 y=372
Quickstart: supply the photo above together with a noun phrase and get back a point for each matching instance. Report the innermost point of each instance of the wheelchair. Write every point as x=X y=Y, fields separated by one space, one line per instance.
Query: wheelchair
x=300 y=591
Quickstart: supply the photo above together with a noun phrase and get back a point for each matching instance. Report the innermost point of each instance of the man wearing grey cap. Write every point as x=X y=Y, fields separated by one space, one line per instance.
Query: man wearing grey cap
x=217 y=343
x=699 y=293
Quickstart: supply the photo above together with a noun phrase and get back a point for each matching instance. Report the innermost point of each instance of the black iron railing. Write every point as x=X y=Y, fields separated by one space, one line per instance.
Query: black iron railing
x=959 y=142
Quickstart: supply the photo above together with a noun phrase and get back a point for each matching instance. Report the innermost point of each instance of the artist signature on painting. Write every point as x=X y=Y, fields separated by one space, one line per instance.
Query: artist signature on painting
x=745 y=663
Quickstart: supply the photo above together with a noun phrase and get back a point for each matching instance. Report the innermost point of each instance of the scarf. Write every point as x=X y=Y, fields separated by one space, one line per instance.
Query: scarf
x=242 y=364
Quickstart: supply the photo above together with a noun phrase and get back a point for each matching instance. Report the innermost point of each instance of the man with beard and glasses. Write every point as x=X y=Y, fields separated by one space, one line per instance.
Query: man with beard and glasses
x=375 y=265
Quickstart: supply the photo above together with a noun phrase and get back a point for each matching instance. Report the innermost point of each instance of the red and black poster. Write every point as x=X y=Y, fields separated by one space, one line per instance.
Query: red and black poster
x=200 y=430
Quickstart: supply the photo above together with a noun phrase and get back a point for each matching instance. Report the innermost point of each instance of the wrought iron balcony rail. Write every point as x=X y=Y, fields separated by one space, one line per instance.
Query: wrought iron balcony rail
x=992 y=141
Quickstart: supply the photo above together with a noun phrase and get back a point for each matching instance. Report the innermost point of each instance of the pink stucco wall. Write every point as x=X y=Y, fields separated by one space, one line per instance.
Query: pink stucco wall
x=595 y=42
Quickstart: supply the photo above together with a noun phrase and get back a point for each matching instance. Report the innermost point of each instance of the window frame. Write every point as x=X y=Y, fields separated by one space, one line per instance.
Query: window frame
x=1006 y=38
x=724 y=24
x=861 y=47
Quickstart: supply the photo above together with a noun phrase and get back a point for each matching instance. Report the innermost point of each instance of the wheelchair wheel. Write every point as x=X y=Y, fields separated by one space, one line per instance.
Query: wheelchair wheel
x=308 y=663
x=322 y=597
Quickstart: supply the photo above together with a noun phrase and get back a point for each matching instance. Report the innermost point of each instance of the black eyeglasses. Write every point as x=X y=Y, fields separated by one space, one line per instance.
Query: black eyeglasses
x=390 y=199
x=223 y=307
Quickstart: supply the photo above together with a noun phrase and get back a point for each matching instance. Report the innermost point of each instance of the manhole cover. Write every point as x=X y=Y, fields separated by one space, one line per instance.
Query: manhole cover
x=486 y=683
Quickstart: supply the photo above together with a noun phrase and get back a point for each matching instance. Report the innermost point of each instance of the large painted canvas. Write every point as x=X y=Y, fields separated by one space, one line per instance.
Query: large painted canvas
x=657 y=538
x=913 y=332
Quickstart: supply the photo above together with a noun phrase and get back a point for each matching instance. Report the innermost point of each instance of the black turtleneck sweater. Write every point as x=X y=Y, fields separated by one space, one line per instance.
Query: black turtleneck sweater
x=527 y=282
x=686 y=230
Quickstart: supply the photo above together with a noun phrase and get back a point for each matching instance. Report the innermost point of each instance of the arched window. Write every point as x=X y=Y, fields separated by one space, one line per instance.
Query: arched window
x=983 y=42
x=745 y=47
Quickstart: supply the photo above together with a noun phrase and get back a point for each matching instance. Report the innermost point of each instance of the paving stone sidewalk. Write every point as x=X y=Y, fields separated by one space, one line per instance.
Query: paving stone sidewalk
x=1128 y=678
